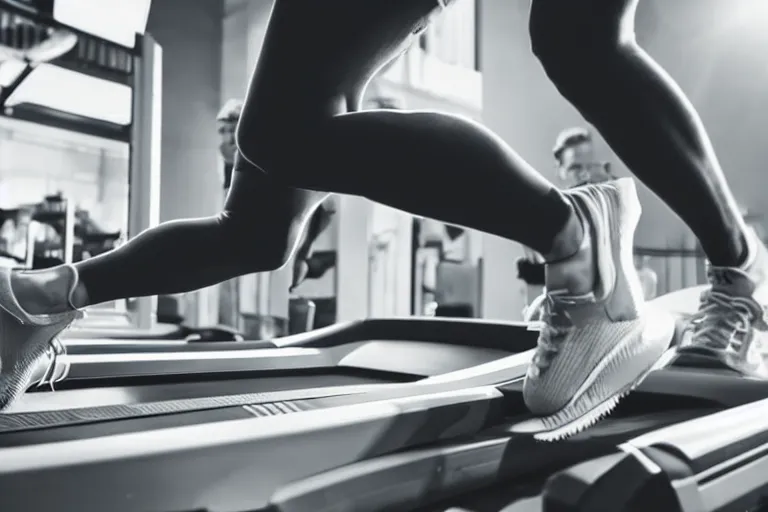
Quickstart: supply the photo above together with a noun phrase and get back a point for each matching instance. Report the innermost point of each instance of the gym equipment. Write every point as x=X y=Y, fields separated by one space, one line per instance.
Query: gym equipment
x=687 y=440
x=113 y=324
x=256 y=417
x=348 y=356
x=681 y=413
x=404 y=414
x=716 y=462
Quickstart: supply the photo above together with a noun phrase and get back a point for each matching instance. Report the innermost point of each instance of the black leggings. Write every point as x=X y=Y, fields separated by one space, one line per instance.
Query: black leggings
x=300 y=130
x=588 y=49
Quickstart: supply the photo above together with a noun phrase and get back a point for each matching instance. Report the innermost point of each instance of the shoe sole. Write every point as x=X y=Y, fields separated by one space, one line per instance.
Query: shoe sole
x=590 y=405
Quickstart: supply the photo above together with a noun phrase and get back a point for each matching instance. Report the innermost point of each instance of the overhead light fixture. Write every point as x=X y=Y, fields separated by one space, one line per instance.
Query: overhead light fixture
x=115 y=20
x=75 y=93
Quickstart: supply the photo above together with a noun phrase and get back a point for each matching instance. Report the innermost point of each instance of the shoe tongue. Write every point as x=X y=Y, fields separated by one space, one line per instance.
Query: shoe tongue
x=731 y=281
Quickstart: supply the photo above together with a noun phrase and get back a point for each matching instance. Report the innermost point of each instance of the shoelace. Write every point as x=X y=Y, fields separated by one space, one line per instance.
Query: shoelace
x=533 y=312
x=56 y=369
x=555 y=327
x=724 y=322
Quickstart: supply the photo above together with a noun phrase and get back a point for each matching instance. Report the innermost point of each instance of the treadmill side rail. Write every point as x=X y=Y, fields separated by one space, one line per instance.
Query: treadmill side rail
x=115 y=365
x=622 y=481
x=744 y=486
x=401 y=481
x=712 y=440
x=232 y=465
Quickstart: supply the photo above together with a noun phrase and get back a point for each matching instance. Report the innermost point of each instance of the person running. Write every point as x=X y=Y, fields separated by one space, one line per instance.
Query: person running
x=302 y=136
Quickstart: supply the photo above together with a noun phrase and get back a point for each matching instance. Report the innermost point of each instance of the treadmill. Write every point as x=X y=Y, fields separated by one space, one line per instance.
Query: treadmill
x=177 y=427
x=687 y=440
x=348 y=358
x=434 y=443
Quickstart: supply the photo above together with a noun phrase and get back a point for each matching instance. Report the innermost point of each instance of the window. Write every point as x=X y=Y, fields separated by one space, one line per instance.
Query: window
x=92 y=173
x=445 y=60
x=452 y=38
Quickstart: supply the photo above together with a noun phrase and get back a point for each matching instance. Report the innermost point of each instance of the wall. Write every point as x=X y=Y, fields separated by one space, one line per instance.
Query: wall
x=190 y=33
x=390 y=266
x=418 y=99
x=723 y=71
x=191 y=178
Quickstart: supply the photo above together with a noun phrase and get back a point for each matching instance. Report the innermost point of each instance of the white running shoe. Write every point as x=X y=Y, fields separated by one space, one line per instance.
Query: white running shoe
x=25 y=340
x=730 y=327
x=595 y=348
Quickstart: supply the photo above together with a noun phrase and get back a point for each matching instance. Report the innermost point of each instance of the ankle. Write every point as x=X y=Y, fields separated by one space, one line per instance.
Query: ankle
x=78 y=298
x=568 y=241
x=48 y=291
x=570 y=266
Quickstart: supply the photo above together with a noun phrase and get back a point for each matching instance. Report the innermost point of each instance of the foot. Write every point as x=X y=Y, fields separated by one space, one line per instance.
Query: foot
x=600 y=341
x=730 y=329
x=25 y=341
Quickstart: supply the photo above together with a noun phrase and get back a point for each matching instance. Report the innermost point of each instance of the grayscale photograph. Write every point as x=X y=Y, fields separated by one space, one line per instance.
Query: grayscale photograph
x=383 y=256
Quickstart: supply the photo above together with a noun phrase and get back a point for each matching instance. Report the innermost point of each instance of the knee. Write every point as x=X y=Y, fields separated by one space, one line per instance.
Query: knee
x=287 y=149
x=572 y=40
x=258 y=245
x=282 y=155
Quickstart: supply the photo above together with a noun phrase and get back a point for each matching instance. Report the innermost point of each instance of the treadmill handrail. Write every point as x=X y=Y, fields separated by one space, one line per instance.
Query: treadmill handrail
x=117 y=365
x=701 y=439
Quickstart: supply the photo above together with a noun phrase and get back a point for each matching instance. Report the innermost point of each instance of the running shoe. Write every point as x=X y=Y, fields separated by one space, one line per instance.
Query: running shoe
x=594 y=348
x=730 y=328
x=26 y=340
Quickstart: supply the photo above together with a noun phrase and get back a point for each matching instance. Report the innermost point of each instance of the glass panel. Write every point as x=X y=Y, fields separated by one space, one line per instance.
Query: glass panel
x=115 y=20
x=75 y=93
x=47 y=176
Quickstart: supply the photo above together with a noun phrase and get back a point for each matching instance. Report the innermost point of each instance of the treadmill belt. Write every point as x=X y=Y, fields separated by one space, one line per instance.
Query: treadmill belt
x=271 y=403
x=258 y=404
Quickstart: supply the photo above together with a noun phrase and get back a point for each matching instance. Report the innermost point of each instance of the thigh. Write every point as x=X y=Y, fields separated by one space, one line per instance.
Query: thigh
x=582 y=19
x=317 y=52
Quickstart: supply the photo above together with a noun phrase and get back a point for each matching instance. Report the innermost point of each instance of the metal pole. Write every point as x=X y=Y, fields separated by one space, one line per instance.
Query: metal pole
x=144 y=190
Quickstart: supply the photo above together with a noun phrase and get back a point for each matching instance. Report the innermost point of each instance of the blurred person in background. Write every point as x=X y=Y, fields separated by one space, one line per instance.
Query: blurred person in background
x=226 y=120
x=577 y=161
